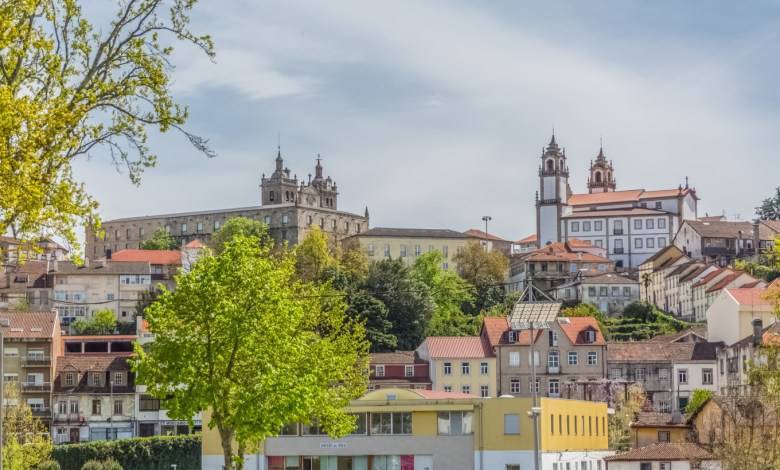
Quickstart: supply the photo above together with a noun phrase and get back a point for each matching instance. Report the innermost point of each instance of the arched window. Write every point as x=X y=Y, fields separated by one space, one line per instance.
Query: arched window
x=270 y=195
x=550 y=165
x=598 y=177
x=609 y=176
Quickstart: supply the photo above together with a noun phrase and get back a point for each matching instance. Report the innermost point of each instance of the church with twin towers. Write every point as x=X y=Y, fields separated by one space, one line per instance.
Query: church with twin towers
x=629 y=224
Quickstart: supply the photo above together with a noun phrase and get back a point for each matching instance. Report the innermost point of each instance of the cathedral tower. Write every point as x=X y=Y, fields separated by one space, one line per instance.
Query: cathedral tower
x=279 y=188
x=602 y=175
x=553 y=193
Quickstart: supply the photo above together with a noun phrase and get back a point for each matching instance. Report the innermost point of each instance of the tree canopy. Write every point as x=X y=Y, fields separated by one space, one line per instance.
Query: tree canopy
x=243 y=337
x=770 y=207
x=103 y=322
x=160 y=240
x=71 y=89
x=486 y=270
x=238 y=226
x=26 y=443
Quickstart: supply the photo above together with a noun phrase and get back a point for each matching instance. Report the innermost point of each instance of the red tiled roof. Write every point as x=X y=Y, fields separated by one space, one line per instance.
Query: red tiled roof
x=575 y=329
x=629 y=195
x=439 y=395
x=397 y=357
x=494 y=328
x=750 y=284
x=482 y=235
x=614 y=213
x=710 y=277
x=772 y=224
x=665 y=451
x=725 y=281
x=150 y=256
x=29 y=325
x=441 y=347
x=195 y=244
x=750 y=296
x=654 y=419
x=529 y=239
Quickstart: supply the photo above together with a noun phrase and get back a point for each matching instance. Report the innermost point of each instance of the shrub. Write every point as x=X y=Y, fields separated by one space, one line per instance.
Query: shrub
x=138 y=453
x=50 y=465
x=92 y=465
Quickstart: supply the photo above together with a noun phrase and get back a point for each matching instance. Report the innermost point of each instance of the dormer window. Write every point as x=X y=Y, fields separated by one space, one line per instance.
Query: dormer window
x=512 y=336
x=590 y=336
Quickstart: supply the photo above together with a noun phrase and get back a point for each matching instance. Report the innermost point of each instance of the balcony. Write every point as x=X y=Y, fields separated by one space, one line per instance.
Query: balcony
x=36 y=386
x=553 y=369
x=619 y=251
x=41 y=411
x=36 y=361
x=617 y=231
x=68 y=417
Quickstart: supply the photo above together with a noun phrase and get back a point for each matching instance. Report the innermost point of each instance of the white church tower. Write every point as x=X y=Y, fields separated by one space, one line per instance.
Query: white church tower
x=553 y=193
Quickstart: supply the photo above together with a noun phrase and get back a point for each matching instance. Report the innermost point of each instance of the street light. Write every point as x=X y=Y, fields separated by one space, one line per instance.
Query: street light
x=4 y=323
x=486 y=219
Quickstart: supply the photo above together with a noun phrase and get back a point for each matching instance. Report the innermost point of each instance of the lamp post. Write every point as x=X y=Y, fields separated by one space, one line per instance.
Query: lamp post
x=4 y=323
x=486 y=219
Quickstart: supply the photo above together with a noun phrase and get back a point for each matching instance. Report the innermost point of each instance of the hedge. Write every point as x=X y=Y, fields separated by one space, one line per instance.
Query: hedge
x=138 y=453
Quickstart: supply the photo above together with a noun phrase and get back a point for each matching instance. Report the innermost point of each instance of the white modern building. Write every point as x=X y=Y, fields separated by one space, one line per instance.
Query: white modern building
x=730 y=317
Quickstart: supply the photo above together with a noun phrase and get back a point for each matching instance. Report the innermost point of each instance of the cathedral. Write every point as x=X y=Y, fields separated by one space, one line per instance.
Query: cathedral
x=630 y=224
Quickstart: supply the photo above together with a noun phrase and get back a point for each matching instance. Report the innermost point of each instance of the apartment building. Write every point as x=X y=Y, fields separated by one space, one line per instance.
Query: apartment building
x=94 y=398
x=399 y=369
x=13 y=250
x=730 y=317
x=408 y=244
x=490 y=241
x=463 y=364
x=163 y=264
x=31 y=344
x=558 y=263
x=734 y=360
x=652 y=276
x=722 y=241
x=80 y=291
x=570 y=352
x=27 y=285
x=609 y=292
x=434 y=430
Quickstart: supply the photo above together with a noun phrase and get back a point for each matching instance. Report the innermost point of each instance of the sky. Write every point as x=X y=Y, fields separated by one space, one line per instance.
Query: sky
x=434 y=114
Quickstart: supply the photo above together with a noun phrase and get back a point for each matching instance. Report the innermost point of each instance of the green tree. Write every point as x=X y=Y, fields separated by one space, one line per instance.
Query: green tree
x=26 y=443
x=103 y=322
x=770 y=207
x=698 y=398
x=109 y=464
x=70 y=89
x=160 y=240
x=486 y=271
x=242 y=337
x=626 y=407
x=313 y=256
x=238 y=226
x=449 y=293
x=408 y=300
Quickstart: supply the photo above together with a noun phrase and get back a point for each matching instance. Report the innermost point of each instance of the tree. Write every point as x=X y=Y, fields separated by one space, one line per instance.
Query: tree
x=238 y=226
x=699 y=397
x=770 y=207
x=69 y=89
x=26 y=444
x=408 y=300
x=160 y=240
x=626 y=407
x=486 y=271
x=449 y=292
x=103 y=322
x=242 y=337
x=313 y=256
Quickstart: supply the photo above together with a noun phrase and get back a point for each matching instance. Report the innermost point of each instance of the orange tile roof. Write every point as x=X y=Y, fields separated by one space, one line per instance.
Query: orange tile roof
x=483 y=235
x=614 y=213
x=750 y=295
x=665 y=451
x=443 y=347
x=30 y=325
x=575 y=329
x=195 y=244
x=629 y=195
x=529 y=239
x=150 y=256
x=725 y=281
x=494 y=328
x=710 y=276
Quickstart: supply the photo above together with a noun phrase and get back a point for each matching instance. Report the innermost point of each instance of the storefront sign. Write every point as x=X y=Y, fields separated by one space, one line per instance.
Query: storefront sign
x=333 y=445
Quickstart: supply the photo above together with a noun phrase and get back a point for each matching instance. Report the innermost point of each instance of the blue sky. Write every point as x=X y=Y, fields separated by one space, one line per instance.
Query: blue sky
x=434 y=114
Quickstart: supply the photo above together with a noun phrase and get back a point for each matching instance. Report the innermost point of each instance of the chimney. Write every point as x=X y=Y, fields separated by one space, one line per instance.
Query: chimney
x=758 y=331
x=756 y=240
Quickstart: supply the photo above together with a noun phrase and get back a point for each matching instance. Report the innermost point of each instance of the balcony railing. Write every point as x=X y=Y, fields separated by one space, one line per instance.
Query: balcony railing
x=41 y=412
x=553 y=369
x=68 y=417
x=36 y=386
x=617 y=231
x=36 y=361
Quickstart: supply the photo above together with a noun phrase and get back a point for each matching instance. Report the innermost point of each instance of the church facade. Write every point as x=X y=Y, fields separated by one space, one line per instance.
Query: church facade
x=630 y=224
x=289 y=207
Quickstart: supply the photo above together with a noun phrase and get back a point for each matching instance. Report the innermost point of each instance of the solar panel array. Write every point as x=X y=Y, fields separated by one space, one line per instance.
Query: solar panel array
x=542 y=314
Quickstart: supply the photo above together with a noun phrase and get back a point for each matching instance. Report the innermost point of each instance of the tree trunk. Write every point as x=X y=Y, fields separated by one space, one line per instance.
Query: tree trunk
x=226 y=436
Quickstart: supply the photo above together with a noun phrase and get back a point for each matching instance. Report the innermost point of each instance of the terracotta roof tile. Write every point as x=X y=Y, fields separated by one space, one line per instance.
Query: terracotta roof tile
x=109 y=267
x=529 y=239
x=725 y=281
x=28 y=325
x=397 y=357
x=729 y=229
x=654 y=419
x=750 y=295
x=195 y=244
x=629 y=195
x=481 y=234
x=665 y=452
x=710 y=276
x=150 y=256
x=614 y=213
x=494 y=328
x=643 y=351
x=575 y=327
x=443 y=347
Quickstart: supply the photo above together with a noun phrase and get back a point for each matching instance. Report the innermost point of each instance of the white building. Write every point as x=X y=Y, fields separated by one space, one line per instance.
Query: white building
x=630 y=224
x=695 y=373
x=609 y=292
x=730 y=317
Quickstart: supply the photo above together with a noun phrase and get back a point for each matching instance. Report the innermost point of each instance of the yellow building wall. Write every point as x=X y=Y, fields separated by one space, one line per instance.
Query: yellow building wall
x=644 y=436
x=452 y=246
x=491 y=436
x=572 y=438
x=475 y=379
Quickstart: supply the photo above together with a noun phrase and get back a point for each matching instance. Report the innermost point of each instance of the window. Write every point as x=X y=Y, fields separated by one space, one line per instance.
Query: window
x=668 y=465
x=117 y=407
x=387 y=251
x=514 y=385
x=199 y=227
x=682 y=376
x=592 y=291
x=573 y=358
x=553 y=387
x=511 y=336
x=74 y=407
x=379 y=370
x=663 y=374
x=661 y=223
x=598 y=226
x=70 y=379
x=448 y=388
x=706 y=376
x=465 y=368
x=663 y=436
x=639 y=373
x=95 y=379
x=650 y=224
x=484 y=391
x=148 y=403
x=417 y=250
x=638 y=224
x=465 y=389
x=96 y=407
x=603 y=291
x=553 y=337
x=599 y=243
x=119 y=378
x=403 y=251
x=514 y=466
x=618 y=227
x=592 y=358
x=483 y=368
x=183 y=228
x=538 y=383
x=285 y=219
x=575 y=226
x=615 y=291
x=447 y=368
x=409 y=371
x=661 y=242
x=568 y=425
x=553 y=359
x=454 y=423
x=535 y=361
x=586 y=226
x=370 y=249
x=637 y=243
x=511 y=424
x=62 y=407
x=626 y=292
x=391 y=423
